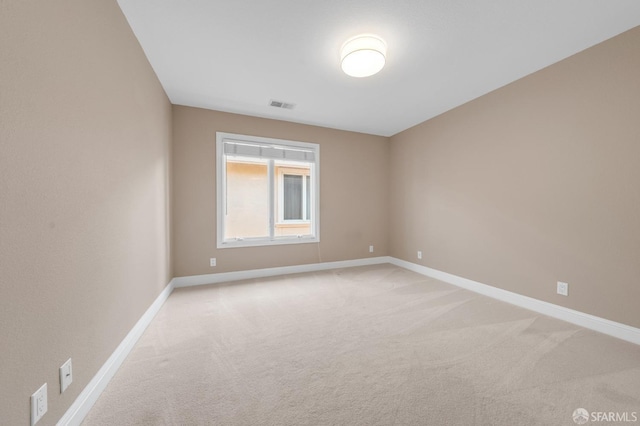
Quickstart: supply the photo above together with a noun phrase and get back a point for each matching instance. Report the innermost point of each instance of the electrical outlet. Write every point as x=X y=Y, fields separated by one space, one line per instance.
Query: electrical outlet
x=419 y=254
x=563 y=288
x=38 y=404
x=370 y=249
x=212 y=262
x=66 y=375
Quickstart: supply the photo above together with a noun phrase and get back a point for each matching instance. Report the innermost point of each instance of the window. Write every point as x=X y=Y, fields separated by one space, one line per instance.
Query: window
x=267 y=191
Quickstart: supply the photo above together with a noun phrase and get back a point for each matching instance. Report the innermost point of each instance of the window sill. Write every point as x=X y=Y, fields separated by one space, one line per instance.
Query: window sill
x=258 y=242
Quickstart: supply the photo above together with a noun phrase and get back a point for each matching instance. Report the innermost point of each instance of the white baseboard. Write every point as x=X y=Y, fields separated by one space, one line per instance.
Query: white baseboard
x=612 y=328
x=89 y=395
x=223 y=277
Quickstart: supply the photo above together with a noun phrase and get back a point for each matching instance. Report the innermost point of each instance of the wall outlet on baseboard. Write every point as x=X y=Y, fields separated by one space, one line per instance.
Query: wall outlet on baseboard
x=212 y=262
x=419 y=254
x=563 y=288
x=370 y=249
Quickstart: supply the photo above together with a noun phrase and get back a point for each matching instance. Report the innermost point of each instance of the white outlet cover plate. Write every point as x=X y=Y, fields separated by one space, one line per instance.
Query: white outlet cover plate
x=563 y=288
x=66 y=375
x=212 y=262
x=38 y=404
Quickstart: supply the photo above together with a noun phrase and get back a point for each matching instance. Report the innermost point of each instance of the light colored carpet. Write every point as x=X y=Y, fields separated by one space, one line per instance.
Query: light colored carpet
x=376 y=345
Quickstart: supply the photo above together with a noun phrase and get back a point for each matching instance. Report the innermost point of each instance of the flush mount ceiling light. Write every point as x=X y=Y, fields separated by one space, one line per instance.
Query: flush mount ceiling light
x=363 y=55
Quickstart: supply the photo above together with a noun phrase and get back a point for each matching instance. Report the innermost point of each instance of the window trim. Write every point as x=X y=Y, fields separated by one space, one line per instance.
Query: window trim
x=220 y=198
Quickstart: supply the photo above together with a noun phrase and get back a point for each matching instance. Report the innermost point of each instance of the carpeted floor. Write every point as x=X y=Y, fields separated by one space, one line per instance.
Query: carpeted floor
x=375 y=345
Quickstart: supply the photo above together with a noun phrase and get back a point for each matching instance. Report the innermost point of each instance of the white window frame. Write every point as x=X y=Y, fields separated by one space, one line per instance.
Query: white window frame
x=314 y=174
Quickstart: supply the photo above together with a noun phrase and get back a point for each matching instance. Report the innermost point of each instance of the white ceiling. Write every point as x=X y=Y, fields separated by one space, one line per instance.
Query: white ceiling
x=237 y=55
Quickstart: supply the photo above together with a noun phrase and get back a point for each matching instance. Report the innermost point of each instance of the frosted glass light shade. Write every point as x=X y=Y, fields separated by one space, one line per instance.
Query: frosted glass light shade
x=363 y=56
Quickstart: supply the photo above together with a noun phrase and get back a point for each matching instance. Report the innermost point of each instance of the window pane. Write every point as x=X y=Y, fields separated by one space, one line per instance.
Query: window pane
x=292 y=188
x=247 y=199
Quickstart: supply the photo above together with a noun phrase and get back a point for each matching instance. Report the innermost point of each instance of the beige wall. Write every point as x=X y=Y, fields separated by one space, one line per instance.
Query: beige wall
x=85 y=132
x=353 y=194
x=534 y=183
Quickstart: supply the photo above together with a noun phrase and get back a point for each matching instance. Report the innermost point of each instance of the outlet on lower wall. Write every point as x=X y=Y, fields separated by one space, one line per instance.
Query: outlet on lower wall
x=38 y=404
x=212 y=262
x=419 y=254
x=562 y=288
x=66 y=375
x=370 y=249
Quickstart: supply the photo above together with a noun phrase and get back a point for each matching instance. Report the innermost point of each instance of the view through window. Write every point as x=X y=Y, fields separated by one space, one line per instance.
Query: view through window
x=267 y=191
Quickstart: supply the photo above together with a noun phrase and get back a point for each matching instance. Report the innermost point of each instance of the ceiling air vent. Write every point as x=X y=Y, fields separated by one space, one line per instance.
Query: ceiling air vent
x=280 y=104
